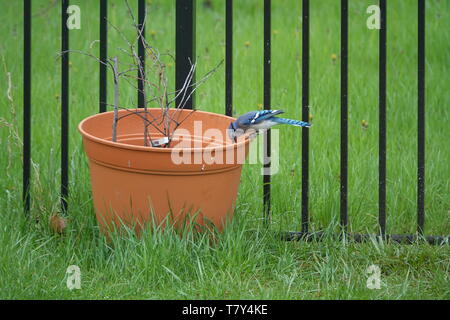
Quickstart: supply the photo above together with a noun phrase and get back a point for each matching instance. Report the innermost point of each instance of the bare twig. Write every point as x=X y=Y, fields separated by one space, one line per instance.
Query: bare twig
x=107 y=63
x=154 y=84
x=46 y=10
x=116 y=99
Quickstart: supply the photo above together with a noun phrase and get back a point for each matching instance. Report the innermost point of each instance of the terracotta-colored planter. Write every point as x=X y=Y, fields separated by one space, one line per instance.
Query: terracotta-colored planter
x=134 y=184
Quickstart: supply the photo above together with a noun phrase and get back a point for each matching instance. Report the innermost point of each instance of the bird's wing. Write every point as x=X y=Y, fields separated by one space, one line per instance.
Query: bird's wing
x=255 y=117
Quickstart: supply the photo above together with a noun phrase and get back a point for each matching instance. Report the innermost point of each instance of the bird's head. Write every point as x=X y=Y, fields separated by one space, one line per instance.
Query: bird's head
x=232 y=132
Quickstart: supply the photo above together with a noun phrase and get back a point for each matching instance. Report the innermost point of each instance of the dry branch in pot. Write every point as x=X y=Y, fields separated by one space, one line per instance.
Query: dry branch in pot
x=153 y=91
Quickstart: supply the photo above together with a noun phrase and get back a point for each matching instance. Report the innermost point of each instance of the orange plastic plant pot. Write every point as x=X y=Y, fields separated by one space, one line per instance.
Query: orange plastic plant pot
x=196 y=179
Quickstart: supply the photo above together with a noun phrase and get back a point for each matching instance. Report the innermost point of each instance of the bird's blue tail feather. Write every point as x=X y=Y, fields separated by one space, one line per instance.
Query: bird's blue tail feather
x=297 y=123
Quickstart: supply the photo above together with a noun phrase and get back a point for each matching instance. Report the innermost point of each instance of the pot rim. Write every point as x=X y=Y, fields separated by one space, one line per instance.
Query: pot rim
x=91 y=137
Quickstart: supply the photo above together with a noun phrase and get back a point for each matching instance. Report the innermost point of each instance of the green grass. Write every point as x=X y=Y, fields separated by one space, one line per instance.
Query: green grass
x=247 y=260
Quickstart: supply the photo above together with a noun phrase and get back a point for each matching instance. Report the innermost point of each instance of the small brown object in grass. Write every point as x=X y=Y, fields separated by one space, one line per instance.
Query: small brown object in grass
x=57 y=223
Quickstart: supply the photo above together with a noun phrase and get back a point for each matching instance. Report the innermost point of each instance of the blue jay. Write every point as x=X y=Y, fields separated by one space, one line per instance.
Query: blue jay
x=260 y=120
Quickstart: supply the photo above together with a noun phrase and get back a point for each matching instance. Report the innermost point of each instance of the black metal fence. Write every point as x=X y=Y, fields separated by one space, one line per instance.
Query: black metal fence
x=185 y=52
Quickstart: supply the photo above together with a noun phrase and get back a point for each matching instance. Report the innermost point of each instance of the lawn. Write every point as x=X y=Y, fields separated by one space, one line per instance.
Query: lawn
x=248 y=260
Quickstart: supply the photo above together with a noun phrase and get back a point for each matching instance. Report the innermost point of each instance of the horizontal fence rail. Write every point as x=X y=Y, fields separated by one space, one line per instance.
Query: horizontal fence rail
x=185 y=57
x=362 y=237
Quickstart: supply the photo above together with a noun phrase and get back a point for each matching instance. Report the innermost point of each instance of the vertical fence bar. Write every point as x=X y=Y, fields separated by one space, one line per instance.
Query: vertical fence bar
x=141 y=53
x=185 y=45
x=305 y=114
x=64 y=106
x=344 y=114
x=382 y=123
x=421 y=119
x=267 y=142
x=103 y=54
x=26 y=104
x=229 y=58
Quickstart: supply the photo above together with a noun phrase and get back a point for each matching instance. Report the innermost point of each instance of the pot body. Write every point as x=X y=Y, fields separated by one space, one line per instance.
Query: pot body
x=196 y=179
